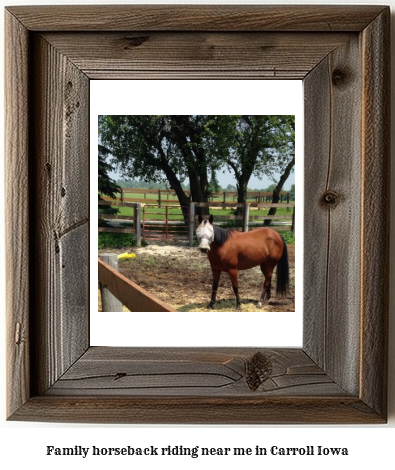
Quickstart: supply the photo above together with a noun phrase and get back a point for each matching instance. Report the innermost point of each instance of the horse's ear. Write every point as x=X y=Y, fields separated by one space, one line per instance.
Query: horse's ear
x=200 y=219
x=211 y=219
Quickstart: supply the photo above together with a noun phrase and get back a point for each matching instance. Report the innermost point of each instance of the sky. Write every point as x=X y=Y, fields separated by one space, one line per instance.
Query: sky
x=225 y=178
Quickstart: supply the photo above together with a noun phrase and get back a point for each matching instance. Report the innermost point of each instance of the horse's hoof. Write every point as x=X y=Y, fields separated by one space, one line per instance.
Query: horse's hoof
x=238 y=308
x=259 y=305
x=210 y=305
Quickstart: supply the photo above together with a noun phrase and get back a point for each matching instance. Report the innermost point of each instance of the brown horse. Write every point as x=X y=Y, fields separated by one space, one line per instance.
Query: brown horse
x=230 y=251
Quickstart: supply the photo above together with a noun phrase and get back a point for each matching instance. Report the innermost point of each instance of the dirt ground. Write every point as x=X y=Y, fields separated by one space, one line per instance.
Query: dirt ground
x=181 y=277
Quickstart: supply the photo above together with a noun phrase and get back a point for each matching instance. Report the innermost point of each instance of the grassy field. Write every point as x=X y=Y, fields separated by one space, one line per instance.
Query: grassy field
x=221 y=216
x=230 y=196
x=161 y=212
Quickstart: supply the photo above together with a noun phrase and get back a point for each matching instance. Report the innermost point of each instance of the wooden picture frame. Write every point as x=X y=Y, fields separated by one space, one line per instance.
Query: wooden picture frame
x=340 y=373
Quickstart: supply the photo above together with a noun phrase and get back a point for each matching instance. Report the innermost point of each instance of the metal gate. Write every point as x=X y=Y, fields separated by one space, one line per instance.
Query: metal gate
x=165 y=222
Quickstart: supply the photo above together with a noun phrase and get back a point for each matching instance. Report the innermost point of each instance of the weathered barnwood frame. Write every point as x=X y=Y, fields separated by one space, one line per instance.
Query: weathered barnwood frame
x=342 y=54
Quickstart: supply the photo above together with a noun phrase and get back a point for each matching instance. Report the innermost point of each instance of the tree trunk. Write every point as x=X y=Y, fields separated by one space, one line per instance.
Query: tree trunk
x=175 y=185
x=195 y=161
x=242 y=184
x=199 y=190
x=277 y=190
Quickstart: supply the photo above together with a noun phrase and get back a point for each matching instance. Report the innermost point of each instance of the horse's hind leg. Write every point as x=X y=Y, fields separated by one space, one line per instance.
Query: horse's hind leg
x=216 y=276
x=267 y=271
x=235 y=285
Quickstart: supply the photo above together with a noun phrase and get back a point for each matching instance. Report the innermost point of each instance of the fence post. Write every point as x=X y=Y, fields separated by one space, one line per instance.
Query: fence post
x=109 y=302
x=159 y=198
x=191 y=227
x=246 y=215
x=122 y=201
x=137 y=221
x=293 y=221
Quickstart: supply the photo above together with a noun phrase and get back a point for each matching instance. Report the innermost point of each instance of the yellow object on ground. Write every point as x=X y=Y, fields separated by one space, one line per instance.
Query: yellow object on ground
x=126 y=255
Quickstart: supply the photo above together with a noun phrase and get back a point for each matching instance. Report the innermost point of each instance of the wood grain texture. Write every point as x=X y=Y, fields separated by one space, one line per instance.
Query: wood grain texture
x=159 y=385
x=190 y=372
x=333 y=226
x=196 y=18
x=317 y=113
x=60 y=212
x=17 y=212
x=339 y=376
x=375 y=211
x=198 y=410
x=196 y=55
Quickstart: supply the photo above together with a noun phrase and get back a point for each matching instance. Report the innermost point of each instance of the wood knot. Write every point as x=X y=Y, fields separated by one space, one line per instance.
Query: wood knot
x=259 y=369
x=120 y=375
x=135 y=41
x=330 y=198
x=340 y=77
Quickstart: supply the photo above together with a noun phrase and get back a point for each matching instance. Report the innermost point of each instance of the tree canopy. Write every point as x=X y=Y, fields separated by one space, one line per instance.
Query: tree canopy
x=174 y=148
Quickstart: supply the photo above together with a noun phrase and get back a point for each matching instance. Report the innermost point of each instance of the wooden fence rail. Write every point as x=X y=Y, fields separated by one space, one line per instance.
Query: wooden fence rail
x=165 y=196
x=246 y=218
x=134 y=297
x=136 y=218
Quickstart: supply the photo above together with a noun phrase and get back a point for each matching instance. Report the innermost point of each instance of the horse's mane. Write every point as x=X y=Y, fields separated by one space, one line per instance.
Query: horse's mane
x=221 y=235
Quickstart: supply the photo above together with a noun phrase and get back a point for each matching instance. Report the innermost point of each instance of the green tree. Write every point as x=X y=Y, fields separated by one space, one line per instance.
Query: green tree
x=292 y=193
x=285 y=160
x=256 y=145
x=106 y=185
x=173 y=148
x=162 y=148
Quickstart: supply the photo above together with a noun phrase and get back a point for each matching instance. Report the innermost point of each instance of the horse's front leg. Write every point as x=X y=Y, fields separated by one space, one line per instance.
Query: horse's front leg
x=216 y=276
x=235 y=285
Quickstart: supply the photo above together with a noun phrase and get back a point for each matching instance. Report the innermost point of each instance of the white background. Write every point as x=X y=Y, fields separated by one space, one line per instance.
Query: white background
x=23 y=444
x=280 y=329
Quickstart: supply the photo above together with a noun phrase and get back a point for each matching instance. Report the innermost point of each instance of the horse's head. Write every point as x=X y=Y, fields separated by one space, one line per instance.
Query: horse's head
x=205 y=233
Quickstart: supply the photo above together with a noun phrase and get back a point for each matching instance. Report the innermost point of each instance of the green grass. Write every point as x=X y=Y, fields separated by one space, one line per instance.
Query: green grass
x=289 y=237
x=153 y=213
x=116 y=240
x=172 y=197
x=109 y=240
x=129 y=211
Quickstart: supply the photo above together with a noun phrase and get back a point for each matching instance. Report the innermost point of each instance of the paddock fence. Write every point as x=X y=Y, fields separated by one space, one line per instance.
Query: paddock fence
x=133 y=222
x=167 y=222
x=246 y=220
x=168 y=197
x=116 y=290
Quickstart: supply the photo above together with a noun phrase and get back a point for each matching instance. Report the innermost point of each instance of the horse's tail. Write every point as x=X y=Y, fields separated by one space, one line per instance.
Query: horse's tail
x=283 y=272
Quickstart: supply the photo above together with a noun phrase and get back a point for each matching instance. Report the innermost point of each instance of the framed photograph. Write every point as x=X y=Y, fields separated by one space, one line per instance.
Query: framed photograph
x=169 y=266
x=339 y=375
